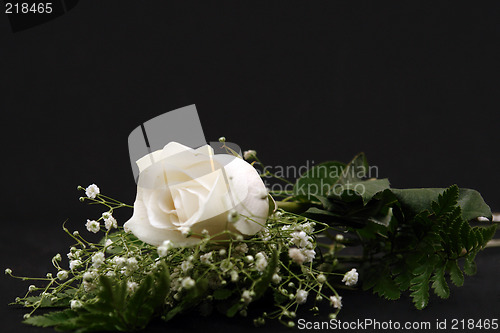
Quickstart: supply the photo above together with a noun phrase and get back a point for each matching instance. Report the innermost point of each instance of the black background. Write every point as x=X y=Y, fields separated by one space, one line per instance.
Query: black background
x=412 y=84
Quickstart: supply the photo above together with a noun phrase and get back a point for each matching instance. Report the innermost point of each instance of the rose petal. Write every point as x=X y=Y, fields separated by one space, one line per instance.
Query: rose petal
x=140 y=226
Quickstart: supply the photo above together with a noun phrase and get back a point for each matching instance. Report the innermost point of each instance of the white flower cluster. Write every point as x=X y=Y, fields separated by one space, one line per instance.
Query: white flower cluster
x=109 y=221
x=351 y=278
x=260 y=261
x=249 y=154
x=92 y=191
x=164 y=248
x=93 y=226
x=301 y=296
x=336 y=301
x=304 y=251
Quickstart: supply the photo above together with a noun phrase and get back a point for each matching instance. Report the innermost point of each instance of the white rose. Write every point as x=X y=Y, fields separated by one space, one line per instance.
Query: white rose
x=181 y=189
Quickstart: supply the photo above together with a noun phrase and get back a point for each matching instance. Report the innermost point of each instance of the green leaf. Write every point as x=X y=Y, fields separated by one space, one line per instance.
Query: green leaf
x=473 y=205
x=52 y=318
x=470 y=267
x=418 y=199
x=231 y=312
x=439 y=283
x=446 y=201
x=221 y=294
x=318 y=180
x=335 y=219
x=379 y=278
x=420 y=283
x=456 y=274
x=366 y=189
x=387 y=288
x=356 y=170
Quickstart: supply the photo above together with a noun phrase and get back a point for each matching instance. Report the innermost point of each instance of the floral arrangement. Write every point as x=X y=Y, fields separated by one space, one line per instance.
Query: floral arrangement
x=219 y=240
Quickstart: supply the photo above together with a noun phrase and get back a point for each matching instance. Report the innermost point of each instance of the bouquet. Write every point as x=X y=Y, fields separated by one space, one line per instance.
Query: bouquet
x=206 y=232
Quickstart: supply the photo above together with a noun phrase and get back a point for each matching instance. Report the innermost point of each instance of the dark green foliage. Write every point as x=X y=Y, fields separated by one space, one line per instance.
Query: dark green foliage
x=417 y=249
x=114 y=309
x=413 y=248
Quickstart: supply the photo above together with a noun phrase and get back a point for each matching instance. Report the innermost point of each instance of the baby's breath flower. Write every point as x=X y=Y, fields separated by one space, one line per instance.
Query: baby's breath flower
x=75 y=304
x=308 y=227
x=110 y=222
x=336 y=301
x=92 y=226
x=234 y=276
x=265 y=234
x=88 y=286
x=8 y=271
x=62 y=275
x=249 y=154
x=309 y=255
x=162 y=251
x=188 y=283
x=31 y=288
x=132 y=265
x=89 y=276
x=57 y=257
x=119 y=261
x=132 y=286
x=74 y=264
x=92 y=191
x=249 y=258
x=98 y=259
x=186 y=265
x=296 y=255
x=261 y=262
x=301 y=296
x=222 y=252
x=164 y=247
x=339 y=237
x=351 y=277
x=241 y=248
x=185 y=231
x=108 y=243
x=321 y=278
x=300 y=239
x=206 y=258
x=276 y=278
x=246 y=296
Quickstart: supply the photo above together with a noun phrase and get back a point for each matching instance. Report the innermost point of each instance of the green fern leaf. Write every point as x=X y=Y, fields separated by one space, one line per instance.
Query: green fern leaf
x=420 y=283
x=456 y=275
x=439 y=283
x=470 y=267
x=446 y=201
x=52 y=318
x=387 y=288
